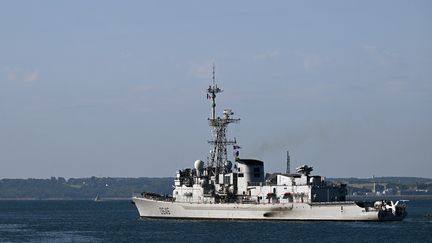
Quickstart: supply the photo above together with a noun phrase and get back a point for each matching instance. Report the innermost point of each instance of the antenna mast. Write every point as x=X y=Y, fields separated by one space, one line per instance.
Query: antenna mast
x=288 y=163
x=211 y=93
x=218 y=154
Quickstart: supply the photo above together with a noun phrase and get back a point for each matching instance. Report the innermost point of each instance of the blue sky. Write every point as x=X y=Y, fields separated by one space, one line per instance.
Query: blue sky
x=117 y=88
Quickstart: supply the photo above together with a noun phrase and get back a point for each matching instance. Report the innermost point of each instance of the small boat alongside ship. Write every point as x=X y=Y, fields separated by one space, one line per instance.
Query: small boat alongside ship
x=221 y=189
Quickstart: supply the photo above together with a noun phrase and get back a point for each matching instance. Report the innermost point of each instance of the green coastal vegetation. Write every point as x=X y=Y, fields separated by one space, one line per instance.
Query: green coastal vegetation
x=387 y=186
x=81 y=188
x=113 y=187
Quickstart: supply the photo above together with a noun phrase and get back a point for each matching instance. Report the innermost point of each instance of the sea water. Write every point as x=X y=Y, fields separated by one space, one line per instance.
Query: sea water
x=118 y=221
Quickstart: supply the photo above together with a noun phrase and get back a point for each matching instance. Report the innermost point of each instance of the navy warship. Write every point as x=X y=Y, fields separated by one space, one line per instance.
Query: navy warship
x=222 y=189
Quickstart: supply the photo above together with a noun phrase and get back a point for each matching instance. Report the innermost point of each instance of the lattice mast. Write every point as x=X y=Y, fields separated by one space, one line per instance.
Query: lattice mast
x=218 y=155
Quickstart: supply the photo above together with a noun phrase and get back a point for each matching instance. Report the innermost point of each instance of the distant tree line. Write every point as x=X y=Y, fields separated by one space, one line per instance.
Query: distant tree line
x=394 y=180
x=388 y=185
x=82 y=188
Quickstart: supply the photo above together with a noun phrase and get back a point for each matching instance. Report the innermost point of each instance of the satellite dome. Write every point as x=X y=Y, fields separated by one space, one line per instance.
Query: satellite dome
x=199 y=165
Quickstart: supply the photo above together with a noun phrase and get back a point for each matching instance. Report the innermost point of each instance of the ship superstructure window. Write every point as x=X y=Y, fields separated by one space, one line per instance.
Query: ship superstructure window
x=227 y=179
x=240 y=175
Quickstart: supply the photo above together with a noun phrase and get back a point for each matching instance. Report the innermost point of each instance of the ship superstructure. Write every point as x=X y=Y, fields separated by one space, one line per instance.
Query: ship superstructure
x=239 y=189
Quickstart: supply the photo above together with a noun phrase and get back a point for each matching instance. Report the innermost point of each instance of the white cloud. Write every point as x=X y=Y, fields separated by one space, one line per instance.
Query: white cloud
x=31 y=76
x=370 y=49
x=382 y=57
x=19 y=75
x=311 y=62
x=10 y=76
x=268 y=55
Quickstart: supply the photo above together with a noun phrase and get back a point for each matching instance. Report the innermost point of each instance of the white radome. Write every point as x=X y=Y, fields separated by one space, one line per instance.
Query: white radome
x=199 y=165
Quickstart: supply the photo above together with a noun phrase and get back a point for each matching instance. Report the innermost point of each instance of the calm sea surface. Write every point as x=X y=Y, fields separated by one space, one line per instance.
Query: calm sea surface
x=118 y=221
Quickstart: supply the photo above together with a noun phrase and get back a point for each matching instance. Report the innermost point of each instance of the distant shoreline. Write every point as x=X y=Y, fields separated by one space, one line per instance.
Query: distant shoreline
x=110 y=188
x=66 y=199
x=349 y=198
x=392 y=197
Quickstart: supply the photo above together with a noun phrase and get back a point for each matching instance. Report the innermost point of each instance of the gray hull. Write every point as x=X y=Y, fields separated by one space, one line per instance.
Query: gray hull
x=290 y=211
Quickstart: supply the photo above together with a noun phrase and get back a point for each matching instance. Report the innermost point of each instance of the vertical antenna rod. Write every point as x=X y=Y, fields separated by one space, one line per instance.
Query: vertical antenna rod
x=211 y=93
x=288 y=165
x=214 y=67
